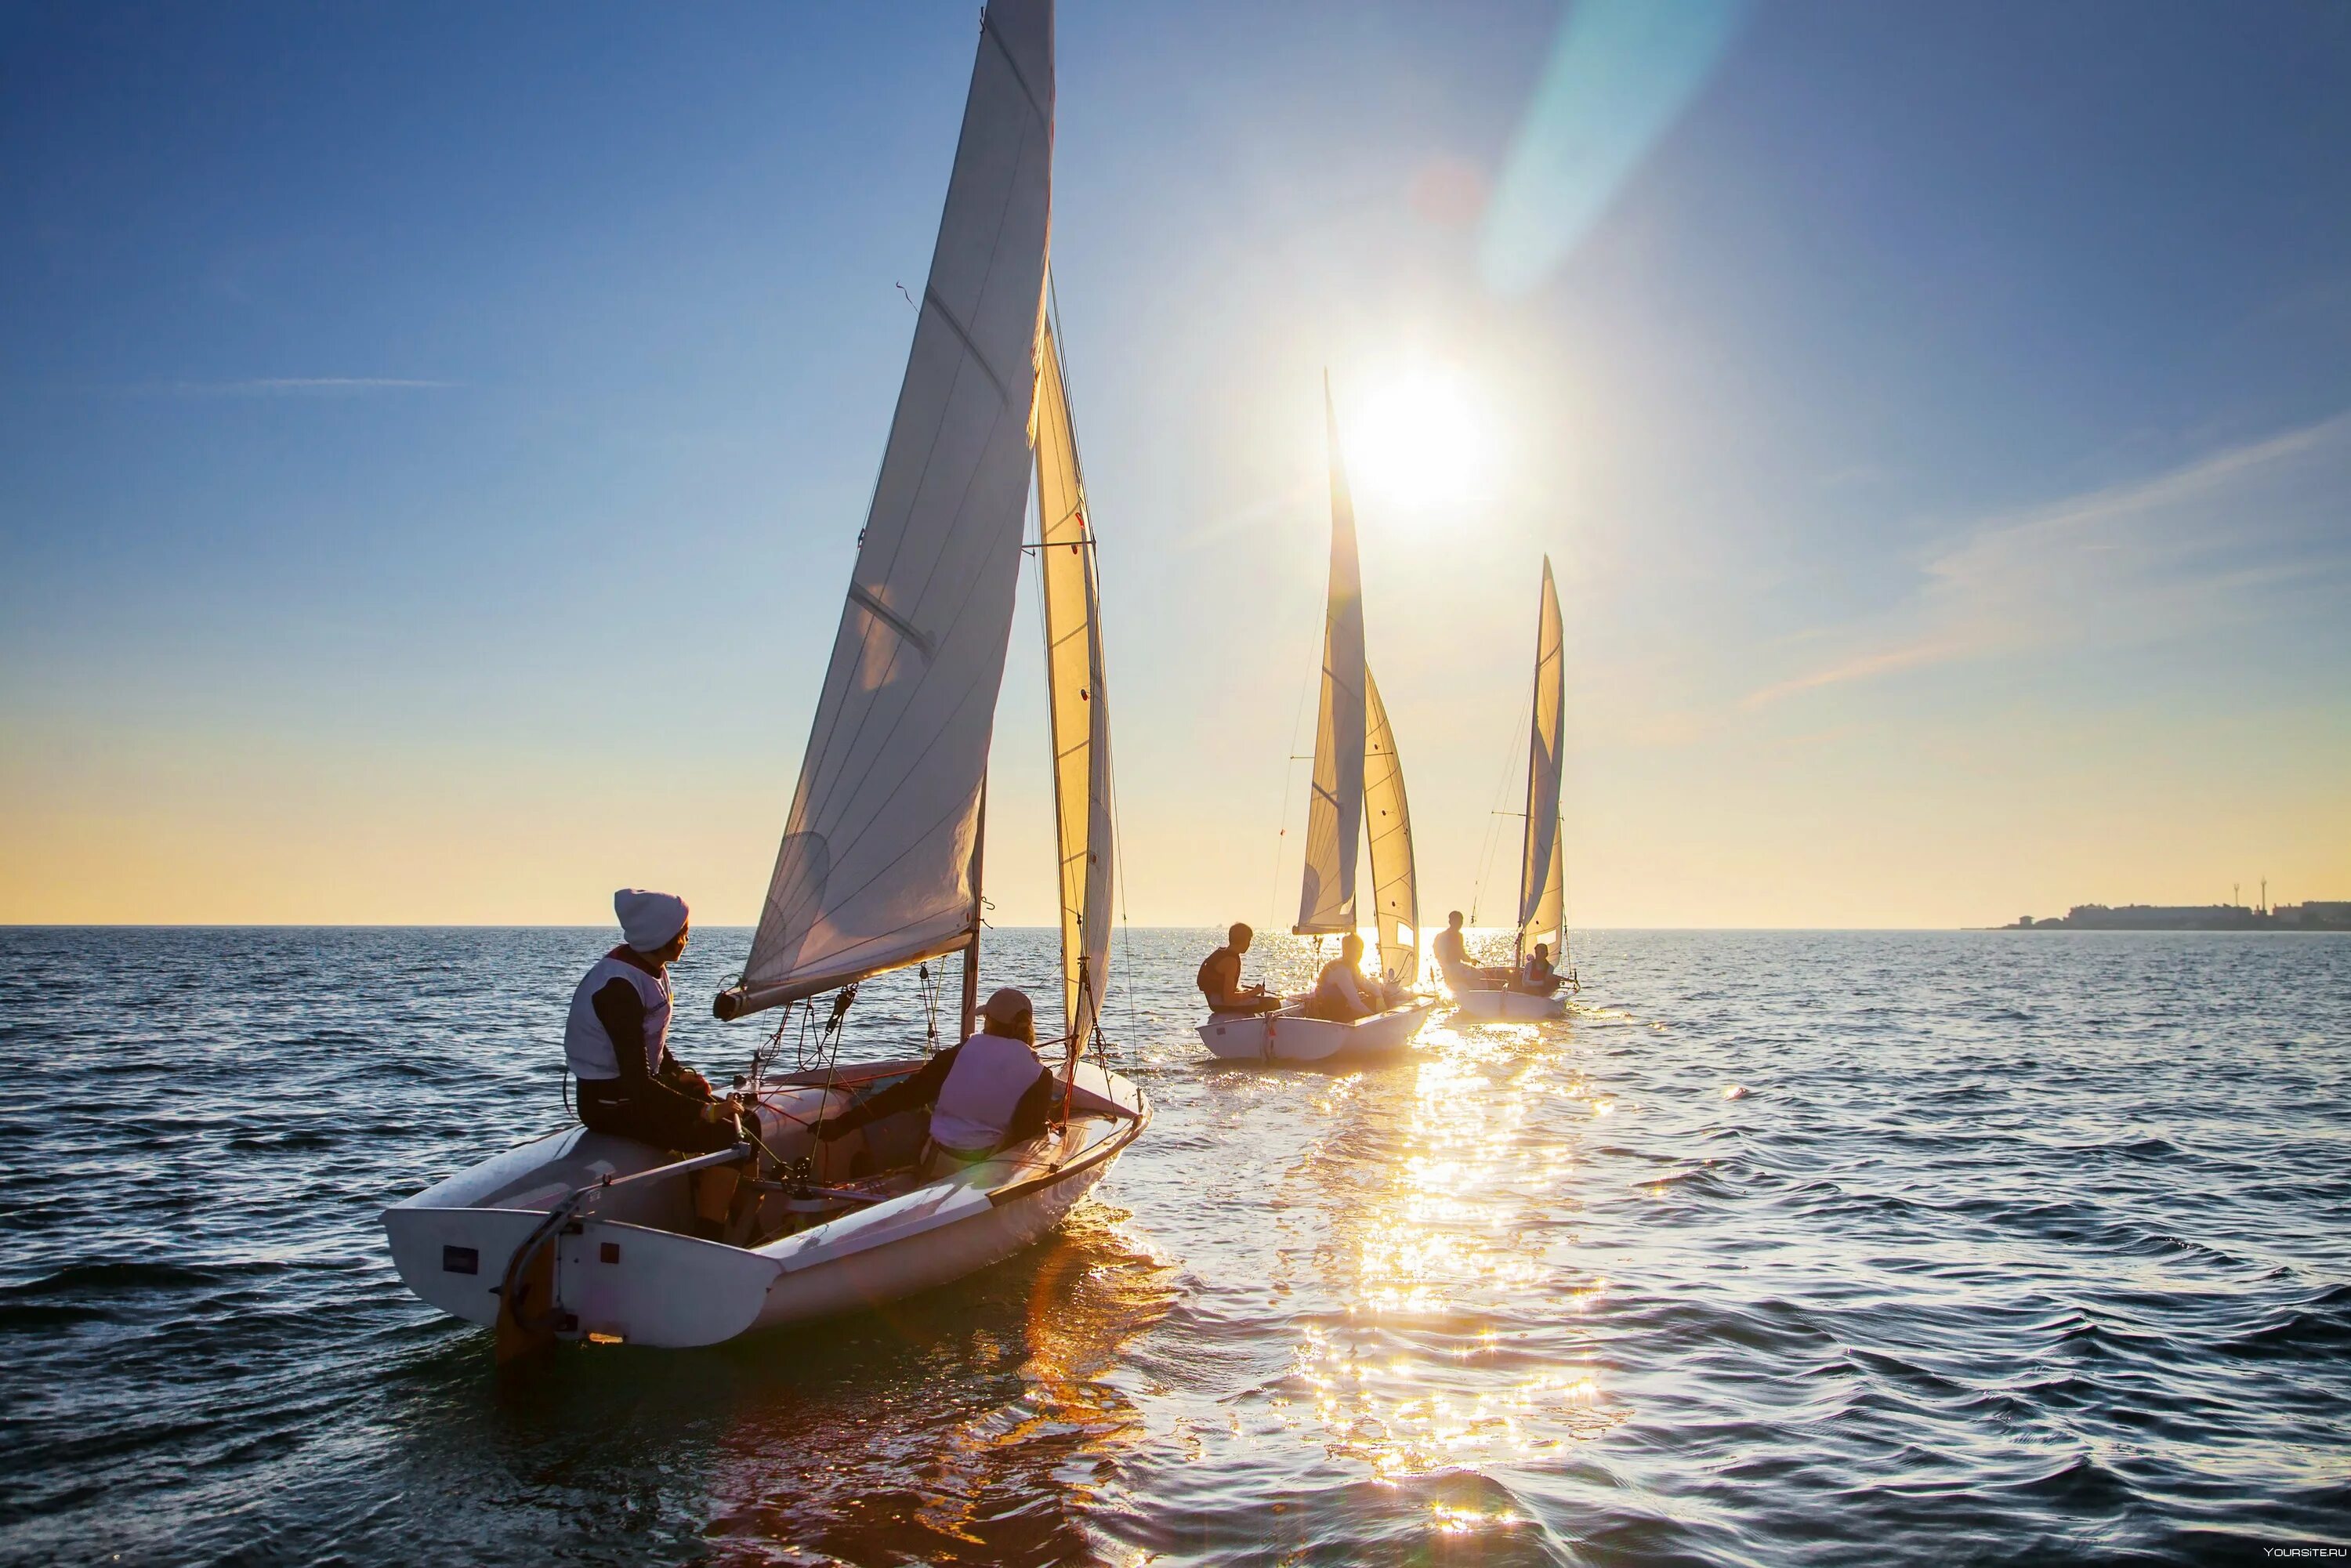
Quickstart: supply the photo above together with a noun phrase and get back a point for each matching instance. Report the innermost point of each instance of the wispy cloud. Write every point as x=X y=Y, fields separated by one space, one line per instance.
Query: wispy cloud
x=288 y=386
x=2216 y=543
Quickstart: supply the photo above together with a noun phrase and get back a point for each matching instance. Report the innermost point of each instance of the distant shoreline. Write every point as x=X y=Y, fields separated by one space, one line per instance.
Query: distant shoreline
x=2312 y=916
x=2053 y=924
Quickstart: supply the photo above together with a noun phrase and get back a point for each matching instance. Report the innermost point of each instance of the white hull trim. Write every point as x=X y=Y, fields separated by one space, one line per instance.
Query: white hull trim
x=1509 y=1005
x=1288 y=1036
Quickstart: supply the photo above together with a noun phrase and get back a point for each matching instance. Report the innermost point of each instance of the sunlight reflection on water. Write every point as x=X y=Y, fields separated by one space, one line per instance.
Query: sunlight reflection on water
x=1427 y=1255
x=1785 y=1245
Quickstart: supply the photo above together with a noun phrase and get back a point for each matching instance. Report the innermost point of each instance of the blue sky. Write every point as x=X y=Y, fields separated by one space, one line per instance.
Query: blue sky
x=435 y=437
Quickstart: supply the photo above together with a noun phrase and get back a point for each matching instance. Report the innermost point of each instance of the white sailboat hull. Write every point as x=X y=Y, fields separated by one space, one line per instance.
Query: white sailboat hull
x=959 y=1236
x=622 y=1272
x=1288 y=1036
x=1513 y=1006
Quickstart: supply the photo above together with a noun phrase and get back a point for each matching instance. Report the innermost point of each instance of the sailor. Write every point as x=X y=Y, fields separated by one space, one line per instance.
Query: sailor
x=616 y=1044
x=1459 y=973
x=1341 y=994
x=985 y=1094
x=1221 y=977
x=1537 y=976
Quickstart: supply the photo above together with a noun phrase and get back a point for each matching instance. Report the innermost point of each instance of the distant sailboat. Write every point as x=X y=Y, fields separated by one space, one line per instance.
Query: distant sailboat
x=1358 y=781
x=880 y=867
x=1543 y=879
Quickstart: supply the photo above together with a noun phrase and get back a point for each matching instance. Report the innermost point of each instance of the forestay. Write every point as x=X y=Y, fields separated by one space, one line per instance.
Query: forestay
x=1388 y=823
x=1540 y=866
x=1080 y=709
x=875 y=869
x=1326 y=901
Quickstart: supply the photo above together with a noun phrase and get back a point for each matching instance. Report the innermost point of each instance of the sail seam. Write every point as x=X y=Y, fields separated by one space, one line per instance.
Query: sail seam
x=931 y=298
x=830 y=897
x=988 y=27
x=819 y=752
x=852 y=840
x=955 y=621
x=882 y=747
x=930 y=293
x=860 y=594
x=855 y=838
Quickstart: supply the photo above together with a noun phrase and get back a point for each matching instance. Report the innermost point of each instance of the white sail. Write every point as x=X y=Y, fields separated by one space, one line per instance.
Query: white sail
x=1548 y=923
x=1326 y=901
x=1538 y=867
x=875 y=869
x=1387 y=825
x=1080 y=708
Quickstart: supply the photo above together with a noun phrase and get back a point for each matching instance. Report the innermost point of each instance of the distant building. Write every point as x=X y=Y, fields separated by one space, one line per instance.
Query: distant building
x=2315 y=915
x=2162 y=918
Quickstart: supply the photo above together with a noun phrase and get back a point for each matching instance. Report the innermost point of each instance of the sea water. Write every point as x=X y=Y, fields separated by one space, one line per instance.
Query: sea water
x=1782 y=1248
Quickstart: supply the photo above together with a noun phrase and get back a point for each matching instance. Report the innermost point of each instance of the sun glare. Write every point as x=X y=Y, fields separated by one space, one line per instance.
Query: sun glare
x=1418 y=441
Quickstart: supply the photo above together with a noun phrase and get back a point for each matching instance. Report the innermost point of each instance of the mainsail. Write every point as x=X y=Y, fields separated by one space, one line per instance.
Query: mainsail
x=1074 y=686
x=1326 y=901
x=876 y=866
x=1541 y=894
x=1387 y=820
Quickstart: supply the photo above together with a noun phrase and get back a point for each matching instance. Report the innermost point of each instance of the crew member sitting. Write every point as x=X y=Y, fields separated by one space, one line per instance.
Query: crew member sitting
x=985 y=1094
x=616 y=1041
x=1459 y=973
x=1536 y=977
x=1341 y=994
x=1221 y=977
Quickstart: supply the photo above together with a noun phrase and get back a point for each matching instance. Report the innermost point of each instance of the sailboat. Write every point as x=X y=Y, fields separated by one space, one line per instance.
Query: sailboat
x=582 y=1235
x=1358 y=795
x=1542 y=860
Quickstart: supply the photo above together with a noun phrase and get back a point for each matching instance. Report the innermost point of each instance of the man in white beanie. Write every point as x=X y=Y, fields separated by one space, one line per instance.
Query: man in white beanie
x=985 y=1094
x=617 y=1041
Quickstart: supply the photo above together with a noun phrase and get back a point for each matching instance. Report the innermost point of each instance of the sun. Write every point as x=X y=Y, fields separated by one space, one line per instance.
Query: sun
x=1417 y=440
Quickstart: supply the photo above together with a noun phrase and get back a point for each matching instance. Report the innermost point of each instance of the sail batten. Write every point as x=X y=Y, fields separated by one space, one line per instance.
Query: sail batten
x=1326 y=899
x=1077 y=706
x=1541 y=890
x=1387 y=826
x=874 y=872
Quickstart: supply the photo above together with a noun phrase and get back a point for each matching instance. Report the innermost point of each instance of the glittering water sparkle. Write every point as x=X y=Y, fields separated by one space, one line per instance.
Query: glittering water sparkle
x=1785 y=1248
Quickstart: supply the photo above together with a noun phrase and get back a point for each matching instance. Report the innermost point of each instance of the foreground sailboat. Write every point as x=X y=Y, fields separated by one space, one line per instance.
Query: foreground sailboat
x=1358 y=792
x=1543 y=862
x=584 y=1235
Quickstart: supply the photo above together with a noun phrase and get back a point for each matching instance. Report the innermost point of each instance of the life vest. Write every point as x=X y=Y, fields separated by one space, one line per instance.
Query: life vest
x=1341 y=982
x=1213 y=977
x=586 y=1042
x=982 y=1089
x=1448 y=949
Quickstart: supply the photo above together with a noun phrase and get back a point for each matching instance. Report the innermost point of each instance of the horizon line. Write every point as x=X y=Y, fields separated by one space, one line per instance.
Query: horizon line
x=522 y=925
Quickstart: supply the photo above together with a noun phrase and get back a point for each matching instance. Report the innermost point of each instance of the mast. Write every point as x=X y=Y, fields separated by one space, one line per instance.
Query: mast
x=1335 y=815
x=971 y=948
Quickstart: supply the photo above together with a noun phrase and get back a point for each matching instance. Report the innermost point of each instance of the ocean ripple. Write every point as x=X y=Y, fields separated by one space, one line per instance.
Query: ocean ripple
x=1783 y=1248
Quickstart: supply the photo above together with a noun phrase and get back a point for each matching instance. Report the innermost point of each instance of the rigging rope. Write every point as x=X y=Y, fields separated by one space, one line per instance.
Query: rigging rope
x=1281 y=824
